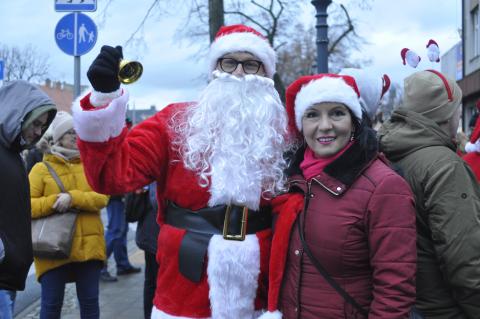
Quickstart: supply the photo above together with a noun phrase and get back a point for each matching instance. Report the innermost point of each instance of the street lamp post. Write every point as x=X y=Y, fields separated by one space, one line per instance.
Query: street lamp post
x=322 y=34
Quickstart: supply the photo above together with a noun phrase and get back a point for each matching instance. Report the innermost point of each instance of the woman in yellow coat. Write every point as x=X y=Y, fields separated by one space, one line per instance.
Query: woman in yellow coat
x=88 y=249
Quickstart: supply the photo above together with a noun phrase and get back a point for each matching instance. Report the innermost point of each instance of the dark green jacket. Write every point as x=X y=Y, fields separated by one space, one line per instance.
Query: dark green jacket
x=448 y=215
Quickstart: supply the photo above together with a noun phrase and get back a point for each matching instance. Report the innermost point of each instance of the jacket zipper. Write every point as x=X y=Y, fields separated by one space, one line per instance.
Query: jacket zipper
x=325 y=187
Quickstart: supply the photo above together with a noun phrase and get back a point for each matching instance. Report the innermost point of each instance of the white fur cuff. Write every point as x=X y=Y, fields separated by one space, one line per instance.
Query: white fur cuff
x=271 y=315
x=101 y=99
x=102 y=124
x=470 y=148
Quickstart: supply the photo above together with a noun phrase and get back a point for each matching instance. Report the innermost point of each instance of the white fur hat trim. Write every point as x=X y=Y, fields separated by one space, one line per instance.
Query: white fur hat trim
x=326 y=89
x=243 y=42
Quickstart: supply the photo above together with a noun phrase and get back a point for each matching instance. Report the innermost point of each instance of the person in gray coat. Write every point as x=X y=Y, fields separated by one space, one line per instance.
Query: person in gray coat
x=25 y=114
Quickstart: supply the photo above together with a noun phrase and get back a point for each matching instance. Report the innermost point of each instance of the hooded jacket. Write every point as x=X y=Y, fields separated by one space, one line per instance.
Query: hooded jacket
x=448 y=214
x=17 y=100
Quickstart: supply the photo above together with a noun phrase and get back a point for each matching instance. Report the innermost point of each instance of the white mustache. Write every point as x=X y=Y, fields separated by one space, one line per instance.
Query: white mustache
x=216 y=74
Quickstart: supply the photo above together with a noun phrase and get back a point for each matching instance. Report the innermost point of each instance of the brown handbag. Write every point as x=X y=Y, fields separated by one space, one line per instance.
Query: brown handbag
x=52 y=235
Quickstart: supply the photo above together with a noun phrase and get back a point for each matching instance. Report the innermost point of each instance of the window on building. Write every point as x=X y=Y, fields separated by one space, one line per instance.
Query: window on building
x=476 y=32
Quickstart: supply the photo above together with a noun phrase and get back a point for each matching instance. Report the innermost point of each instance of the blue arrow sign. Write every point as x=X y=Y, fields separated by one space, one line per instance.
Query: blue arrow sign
x=76 y=34
x=1 y=69
x=75 y=5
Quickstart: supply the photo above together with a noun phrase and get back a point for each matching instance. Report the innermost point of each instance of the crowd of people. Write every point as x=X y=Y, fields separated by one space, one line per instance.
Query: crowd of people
x=255 y=209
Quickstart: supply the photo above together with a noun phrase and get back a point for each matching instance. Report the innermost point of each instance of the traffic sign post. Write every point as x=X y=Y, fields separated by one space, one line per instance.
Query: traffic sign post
x=1 y=70
x=75 y=5
x=76 y=34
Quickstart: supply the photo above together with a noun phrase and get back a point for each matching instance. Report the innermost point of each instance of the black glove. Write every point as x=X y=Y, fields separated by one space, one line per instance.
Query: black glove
x=103 y=72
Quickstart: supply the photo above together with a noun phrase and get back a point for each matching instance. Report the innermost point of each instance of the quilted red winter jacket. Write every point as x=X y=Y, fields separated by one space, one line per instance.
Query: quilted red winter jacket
x=360 y=225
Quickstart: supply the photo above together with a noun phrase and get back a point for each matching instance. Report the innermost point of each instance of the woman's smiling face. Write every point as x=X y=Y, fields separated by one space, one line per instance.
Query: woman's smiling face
x=327 y=128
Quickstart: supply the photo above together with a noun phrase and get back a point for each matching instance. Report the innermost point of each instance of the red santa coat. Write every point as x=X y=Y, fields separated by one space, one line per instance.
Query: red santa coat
x=473 y=160
x=123 y=163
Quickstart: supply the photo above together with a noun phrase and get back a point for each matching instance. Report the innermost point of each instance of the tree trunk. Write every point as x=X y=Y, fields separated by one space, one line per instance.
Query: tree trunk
x=215 y=17
x=279 y=86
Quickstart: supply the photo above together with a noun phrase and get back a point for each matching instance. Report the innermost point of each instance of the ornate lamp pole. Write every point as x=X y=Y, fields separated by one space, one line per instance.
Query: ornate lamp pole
x=322 y=34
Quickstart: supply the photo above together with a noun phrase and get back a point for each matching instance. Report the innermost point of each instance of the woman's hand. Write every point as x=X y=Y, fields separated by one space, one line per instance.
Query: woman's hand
x=63 y=202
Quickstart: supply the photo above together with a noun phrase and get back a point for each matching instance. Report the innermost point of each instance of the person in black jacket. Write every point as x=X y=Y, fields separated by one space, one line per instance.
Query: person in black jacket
x=146 y=239
x=25 y=114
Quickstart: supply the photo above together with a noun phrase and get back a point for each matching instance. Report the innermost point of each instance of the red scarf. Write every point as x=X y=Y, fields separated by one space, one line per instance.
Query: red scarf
x=311 y=165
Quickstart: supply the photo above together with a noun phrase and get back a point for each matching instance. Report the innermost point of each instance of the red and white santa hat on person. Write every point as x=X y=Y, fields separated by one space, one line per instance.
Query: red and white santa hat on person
x=241 y=38
x=372 y=88
x=410 y=57
x=313 y=89
x=300 y=95
x=474 y=144
x=433 y=51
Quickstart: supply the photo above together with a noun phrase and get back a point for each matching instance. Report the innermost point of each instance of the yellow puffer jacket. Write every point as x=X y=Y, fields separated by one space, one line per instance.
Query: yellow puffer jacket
x=88 y=241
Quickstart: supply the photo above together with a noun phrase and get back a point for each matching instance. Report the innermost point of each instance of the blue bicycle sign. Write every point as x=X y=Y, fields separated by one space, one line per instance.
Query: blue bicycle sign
x=65 y=34
x=76 y=34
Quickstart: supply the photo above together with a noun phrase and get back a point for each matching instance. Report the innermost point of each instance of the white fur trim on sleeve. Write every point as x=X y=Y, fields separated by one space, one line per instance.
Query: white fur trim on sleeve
x=101 y=99
x=102 y=124
x=271 y=315
x=472 y=147
x=244 y=42
x=326 y=89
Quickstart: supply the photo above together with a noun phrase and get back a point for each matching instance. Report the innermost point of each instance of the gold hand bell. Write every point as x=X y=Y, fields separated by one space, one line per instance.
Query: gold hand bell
x=129 y=71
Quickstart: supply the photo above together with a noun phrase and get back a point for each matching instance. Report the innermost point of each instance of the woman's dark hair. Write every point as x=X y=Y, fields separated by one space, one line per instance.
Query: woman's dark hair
x=473 y=120
x=364 y=136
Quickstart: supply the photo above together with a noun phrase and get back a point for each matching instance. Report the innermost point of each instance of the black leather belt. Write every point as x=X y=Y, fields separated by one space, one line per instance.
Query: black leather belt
x=231 y=221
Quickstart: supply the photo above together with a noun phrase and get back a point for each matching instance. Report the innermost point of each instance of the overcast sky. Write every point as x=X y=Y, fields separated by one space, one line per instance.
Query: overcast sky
x=170 y=72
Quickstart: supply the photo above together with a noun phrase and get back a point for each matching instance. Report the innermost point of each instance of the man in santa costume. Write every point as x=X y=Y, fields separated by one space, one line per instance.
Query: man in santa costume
x=473 y=148
x=217 y=162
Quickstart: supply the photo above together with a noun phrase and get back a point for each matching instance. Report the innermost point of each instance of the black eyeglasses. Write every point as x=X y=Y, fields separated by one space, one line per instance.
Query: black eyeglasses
x=229 y=65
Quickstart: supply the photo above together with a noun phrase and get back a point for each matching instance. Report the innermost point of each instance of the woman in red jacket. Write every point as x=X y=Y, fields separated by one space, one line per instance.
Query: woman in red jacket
x=345 y=239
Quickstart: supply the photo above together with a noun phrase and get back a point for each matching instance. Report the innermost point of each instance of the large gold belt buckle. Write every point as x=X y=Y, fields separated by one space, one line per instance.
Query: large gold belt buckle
x=226 y=225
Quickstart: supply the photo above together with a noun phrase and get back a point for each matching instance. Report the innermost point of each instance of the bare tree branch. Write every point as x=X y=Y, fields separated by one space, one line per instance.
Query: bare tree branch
x=258 y=24
x=24 y=63
x=142 y=23
x=280 y=45
x=349 y=29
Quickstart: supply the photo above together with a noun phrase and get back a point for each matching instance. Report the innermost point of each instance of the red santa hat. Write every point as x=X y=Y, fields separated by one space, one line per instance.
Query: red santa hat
x=472 y=145
x=433 y=51
x=313 y=89
x=410 y=57
x=241 y=38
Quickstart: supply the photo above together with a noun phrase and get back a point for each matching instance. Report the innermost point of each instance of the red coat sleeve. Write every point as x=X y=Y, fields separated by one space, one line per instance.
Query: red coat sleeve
x=129 y=161
x=392 y=239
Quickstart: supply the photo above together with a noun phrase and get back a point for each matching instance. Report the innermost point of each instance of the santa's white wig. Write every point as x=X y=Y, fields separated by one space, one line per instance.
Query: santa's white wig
x=235 y=138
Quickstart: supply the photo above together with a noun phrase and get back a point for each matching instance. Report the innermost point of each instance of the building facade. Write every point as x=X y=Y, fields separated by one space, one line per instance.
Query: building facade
x=470 y=81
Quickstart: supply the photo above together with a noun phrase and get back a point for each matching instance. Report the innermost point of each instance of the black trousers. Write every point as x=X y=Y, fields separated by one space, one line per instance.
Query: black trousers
x=150 y=283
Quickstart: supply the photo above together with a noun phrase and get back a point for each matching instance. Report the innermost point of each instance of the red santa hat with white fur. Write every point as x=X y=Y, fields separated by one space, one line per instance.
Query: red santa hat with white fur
x=300 y=95
x=312 y=89
x=241 y=38
x=410 y=57
x=474 y=144
x=433 y=52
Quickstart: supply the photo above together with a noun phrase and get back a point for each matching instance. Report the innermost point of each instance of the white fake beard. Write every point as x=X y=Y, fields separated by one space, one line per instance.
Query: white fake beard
x=235 y=138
